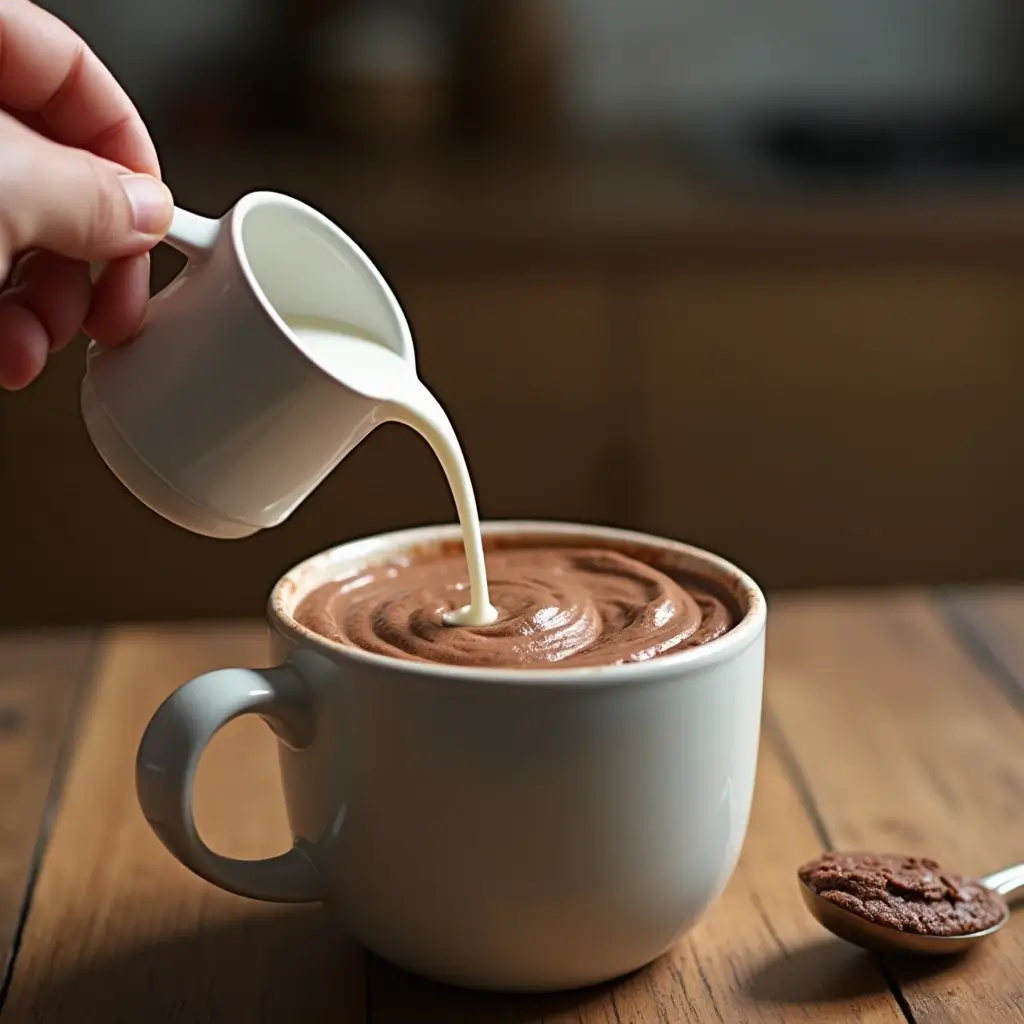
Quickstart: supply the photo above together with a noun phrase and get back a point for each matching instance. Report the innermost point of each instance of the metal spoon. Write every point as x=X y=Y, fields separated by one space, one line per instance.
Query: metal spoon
x=881 y=939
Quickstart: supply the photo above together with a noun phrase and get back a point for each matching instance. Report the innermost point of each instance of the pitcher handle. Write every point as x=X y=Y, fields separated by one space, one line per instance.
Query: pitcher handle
x=192 y=235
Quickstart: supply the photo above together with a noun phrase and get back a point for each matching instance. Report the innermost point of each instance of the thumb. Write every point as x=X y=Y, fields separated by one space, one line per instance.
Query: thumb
x=73 y=203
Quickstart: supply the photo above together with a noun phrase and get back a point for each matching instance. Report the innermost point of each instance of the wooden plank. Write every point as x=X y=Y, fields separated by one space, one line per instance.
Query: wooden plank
x=41 y=676
x=865 y=692
x=756 y=957
x=906 y=743
x=119 y=931
x=990 y=621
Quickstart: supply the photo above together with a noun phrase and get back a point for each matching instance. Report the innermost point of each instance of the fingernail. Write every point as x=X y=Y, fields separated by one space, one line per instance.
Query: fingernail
x=151 y=202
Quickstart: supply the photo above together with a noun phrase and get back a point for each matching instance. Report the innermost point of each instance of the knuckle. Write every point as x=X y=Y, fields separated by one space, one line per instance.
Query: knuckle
x=105 y=210
x=15 y=189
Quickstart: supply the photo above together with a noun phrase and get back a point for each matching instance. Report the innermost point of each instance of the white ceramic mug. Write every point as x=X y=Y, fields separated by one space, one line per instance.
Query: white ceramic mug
x=214 y=416
x=505 y=829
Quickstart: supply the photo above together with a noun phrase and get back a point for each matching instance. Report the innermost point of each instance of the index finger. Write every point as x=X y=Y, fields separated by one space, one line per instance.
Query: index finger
x=50 y=74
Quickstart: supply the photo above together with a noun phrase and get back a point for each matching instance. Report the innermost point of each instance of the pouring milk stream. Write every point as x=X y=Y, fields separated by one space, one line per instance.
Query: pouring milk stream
x=267 y=360
x=368 y=367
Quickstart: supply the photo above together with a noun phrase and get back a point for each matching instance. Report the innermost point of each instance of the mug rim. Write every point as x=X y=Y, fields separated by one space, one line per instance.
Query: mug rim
x=290 y=588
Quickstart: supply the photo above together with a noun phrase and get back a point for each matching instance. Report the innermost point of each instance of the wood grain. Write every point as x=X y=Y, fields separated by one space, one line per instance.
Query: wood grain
x=119 y=931
x=41 y=678
x=882 y=730
x=990 y=621
x=906 y=743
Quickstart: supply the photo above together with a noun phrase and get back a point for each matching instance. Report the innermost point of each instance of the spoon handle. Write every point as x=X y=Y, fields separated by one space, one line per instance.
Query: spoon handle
x=1007 y=882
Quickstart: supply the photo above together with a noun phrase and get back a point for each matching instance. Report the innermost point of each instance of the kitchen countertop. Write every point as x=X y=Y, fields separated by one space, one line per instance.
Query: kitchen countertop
x=594 y=205
x=893 y=720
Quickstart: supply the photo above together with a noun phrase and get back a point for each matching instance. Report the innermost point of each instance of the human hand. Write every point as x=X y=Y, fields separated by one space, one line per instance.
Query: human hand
x=79 y=182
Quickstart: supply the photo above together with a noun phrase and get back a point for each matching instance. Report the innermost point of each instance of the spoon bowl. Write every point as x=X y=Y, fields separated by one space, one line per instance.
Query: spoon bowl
x=880 y=938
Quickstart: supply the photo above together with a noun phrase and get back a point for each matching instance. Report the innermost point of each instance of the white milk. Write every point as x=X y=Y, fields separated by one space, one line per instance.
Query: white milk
x=373 y=369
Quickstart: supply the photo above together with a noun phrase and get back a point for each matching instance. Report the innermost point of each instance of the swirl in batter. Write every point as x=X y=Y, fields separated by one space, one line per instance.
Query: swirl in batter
x=558 y=607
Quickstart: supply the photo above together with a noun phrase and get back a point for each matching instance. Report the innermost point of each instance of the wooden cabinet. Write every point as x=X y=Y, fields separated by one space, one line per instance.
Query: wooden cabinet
x=838 y=423
x=520 y=361
x=516 y=359
x=855 y=419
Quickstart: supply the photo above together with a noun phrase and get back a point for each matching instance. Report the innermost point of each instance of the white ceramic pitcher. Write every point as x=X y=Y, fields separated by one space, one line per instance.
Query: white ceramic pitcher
x=213 y=416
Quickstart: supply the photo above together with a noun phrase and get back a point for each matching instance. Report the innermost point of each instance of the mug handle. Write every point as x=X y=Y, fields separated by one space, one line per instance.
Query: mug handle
x=169 y=754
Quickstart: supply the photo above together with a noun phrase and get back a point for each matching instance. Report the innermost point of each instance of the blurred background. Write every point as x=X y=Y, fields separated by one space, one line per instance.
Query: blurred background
x=741 y=273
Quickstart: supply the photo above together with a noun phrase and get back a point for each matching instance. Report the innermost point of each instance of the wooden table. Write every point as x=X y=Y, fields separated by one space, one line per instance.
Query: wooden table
x=892 y=720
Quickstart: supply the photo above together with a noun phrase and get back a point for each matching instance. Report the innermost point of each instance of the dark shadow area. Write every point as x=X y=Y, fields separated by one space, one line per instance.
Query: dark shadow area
x=910 y=969
x=277 y=967
x=396 y=997
x=282 y=966
x=828 y=971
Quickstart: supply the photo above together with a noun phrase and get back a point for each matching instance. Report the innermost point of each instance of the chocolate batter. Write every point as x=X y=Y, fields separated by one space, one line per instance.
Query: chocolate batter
x=910 y=894
x=558 y=607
